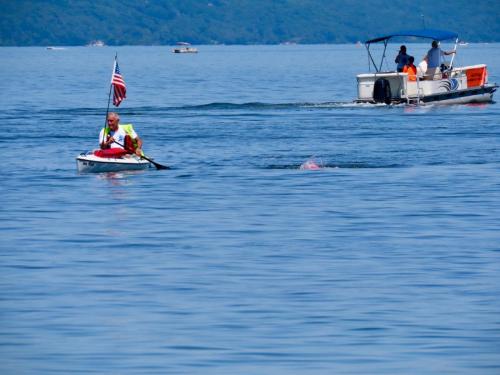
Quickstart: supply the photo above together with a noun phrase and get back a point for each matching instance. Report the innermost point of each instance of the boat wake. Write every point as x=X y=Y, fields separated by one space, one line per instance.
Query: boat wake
x=256 y=106
x=216 y=106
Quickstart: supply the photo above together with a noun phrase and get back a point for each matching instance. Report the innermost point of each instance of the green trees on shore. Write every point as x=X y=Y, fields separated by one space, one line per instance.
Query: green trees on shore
x=159 y=22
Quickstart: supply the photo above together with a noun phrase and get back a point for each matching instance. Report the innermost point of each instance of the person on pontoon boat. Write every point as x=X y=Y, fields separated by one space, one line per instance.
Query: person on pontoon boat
x=401 y=59
x=411 y=69
x=433 y=59
x=117 y=140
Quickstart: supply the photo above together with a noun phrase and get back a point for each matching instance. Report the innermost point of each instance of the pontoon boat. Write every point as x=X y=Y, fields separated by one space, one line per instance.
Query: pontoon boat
x=450 y=85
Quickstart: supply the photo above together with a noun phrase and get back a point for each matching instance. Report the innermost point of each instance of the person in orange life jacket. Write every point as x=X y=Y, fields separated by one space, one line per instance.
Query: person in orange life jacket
x=411 y=69
x=117 y=140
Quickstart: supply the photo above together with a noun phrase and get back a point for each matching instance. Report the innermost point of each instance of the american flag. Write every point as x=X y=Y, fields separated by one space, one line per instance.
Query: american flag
x=119 y=88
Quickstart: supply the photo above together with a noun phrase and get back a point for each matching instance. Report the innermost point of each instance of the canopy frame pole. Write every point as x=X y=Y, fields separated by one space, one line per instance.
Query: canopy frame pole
x=370 y=57
x=453 y=57
x=383 y=55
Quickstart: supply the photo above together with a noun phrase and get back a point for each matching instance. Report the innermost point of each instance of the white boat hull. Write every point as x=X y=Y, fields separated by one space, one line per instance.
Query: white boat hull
x=89 y=163
x=185 y=50
x=477 y=95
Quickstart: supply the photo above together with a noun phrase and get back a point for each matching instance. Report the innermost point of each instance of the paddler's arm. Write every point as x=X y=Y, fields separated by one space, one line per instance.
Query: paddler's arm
x=138 y=150
x=106 y=144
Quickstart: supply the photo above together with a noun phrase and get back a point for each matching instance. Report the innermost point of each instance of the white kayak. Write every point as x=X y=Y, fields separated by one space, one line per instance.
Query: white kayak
x=89 y=163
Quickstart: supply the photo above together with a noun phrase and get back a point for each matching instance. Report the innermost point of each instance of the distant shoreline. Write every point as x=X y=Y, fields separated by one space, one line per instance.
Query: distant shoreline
x=215 y=45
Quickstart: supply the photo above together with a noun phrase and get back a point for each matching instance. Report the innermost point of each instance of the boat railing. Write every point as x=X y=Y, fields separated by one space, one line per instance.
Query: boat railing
x=405 y=84
x=418 y=90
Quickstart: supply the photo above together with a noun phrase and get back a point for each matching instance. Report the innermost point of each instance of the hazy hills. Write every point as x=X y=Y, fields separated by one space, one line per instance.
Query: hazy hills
x=156 y=22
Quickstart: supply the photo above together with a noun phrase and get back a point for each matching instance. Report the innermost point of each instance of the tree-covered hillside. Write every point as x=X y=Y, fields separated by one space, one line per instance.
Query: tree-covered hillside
x=153 y=22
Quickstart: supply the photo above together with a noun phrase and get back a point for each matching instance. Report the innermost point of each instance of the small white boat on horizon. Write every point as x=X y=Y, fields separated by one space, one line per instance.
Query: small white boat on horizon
x=184 y=47
x=96 y=43
x=448 y=85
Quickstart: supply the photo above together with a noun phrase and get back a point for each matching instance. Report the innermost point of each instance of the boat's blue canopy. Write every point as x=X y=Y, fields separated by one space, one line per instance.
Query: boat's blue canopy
x=423 y=33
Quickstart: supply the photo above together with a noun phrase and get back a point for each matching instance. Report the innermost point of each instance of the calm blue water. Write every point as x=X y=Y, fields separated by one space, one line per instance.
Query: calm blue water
x=235 y=261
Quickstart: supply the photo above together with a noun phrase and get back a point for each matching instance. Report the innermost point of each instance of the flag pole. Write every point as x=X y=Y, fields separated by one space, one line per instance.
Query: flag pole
x=109 y=98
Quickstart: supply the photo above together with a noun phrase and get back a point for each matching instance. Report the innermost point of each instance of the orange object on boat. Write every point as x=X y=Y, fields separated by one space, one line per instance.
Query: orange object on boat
x=476 y=76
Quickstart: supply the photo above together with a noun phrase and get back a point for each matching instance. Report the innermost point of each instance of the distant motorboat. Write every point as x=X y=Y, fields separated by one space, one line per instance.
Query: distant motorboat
x=96 y=43
x=447 y=84
x=463 y=43
x=184 y=48
x=55 y=48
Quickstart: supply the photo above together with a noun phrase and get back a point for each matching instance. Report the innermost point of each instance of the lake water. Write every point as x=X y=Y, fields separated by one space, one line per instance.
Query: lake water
x=387 y=261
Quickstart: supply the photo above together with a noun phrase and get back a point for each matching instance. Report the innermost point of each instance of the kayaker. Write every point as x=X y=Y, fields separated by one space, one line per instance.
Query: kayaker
x=118 y=139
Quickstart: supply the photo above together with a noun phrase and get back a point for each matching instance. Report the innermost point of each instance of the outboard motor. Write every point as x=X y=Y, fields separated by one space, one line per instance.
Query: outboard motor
x=382 y=91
